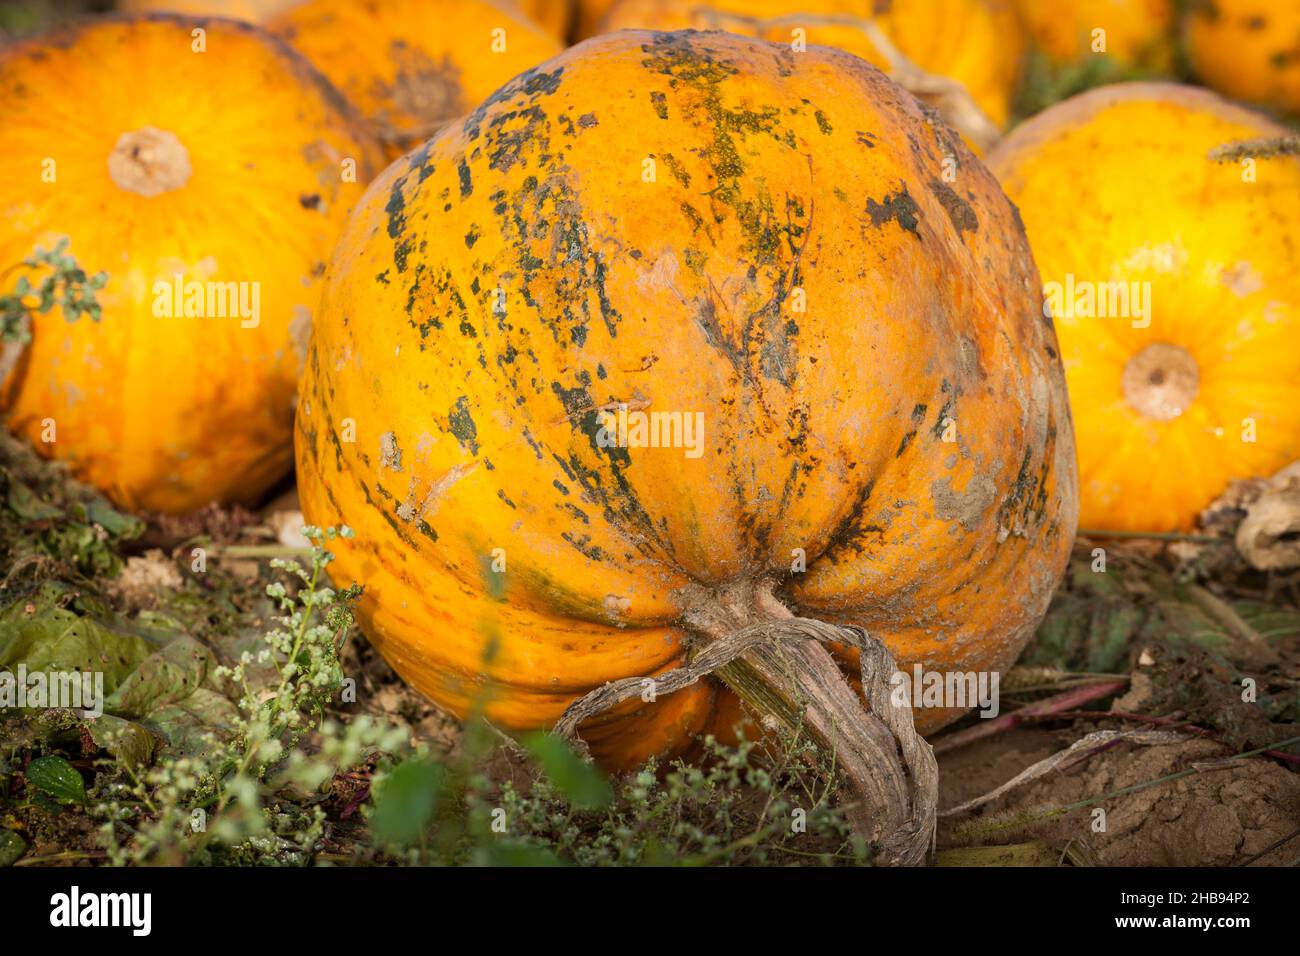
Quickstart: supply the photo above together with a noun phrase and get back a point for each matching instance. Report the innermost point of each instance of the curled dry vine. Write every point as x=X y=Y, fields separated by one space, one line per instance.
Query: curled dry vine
x=777 y=664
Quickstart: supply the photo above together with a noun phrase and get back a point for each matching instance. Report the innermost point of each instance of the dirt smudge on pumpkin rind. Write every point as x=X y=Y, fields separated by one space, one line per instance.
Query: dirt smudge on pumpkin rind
x=966 y=507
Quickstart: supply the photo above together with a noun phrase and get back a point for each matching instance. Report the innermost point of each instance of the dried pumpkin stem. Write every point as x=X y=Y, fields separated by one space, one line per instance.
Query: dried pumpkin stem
x=949 y=96
x=777 y=664
x=149 y=161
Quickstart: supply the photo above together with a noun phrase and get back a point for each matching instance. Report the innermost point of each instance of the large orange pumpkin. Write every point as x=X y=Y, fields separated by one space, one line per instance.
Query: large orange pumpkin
x=761 y=243
x=1247 y=49
x=1135 y=33
x=183 y=170
x=1175 y=283
x=977 y=42
x=413 y=65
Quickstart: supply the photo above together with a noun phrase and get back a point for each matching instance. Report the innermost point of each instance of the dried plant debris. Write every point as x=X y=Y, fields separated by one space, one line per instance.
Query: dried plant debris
x=1254 y=526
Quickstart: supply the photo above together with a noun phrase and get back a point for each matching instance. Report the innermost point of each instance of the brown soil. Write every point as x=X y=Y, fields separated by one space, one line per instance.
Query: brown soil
x=1215 y=818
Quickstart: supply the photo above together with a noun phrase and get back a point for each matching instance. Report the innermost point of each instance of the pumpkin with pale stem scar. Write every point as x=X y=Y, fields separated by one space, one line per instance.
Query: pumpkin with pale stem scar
x=1174 y=280
x=207 y=169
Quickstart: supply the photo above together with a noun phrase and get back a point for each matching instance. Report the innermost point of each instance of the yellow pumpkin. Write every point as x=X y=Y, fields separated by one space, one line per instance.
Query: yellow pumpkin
x=253 y=11
x=186 y=171
x=413 y=65
x=1191 y=378
x=1135 y=33
x=977 y=42
x=870 y=419
x=1247 y=49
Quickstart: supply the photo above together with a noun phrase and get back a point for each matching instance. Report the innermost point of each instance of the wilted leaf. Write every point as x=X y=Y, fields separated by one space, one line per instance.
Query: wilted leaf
x=405 y=800
x=186 y=724
x=582 y=784
x=1112 y=626
x=57 y=779
x=100 y=512
x=165 y=677
x=27 y=505
x=53 y=638
x=1273 y=622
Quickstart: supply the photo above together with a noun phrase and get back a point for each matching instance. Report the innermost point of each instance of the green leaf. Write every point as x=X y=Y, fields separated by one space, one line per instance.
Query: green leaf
x=405 y=800
x=56 y=778
x=187 y=725
x=167 y=676
x=516 y=855
x=12 y=846
x=1112 y=627
x=582 y=784
x=27 y=505
x=54 y=638
x=100 y=512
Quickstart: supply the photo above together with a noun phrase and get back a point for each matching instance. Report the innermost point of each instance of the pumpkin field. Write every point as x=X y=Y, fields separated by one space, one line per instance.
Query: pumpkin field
x=781 y=433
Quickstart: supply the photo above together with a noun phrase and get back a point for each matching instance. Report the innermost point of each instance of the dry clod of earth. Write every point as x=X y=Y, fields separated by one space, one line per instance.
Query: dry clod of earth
x=1214 y=818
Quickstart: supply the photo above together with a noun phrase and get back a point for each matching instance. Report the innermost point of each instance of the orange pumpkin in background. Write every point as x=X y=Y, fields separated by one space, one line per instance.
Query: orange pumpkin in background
x=977 y=42
x=1175 y=286
x=252 y=11
x=555 y=15
x=1135 y=33
x=871 y=423
x=588 y=16
x=412 y=65
x=224 y=174
x=1247 y=49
